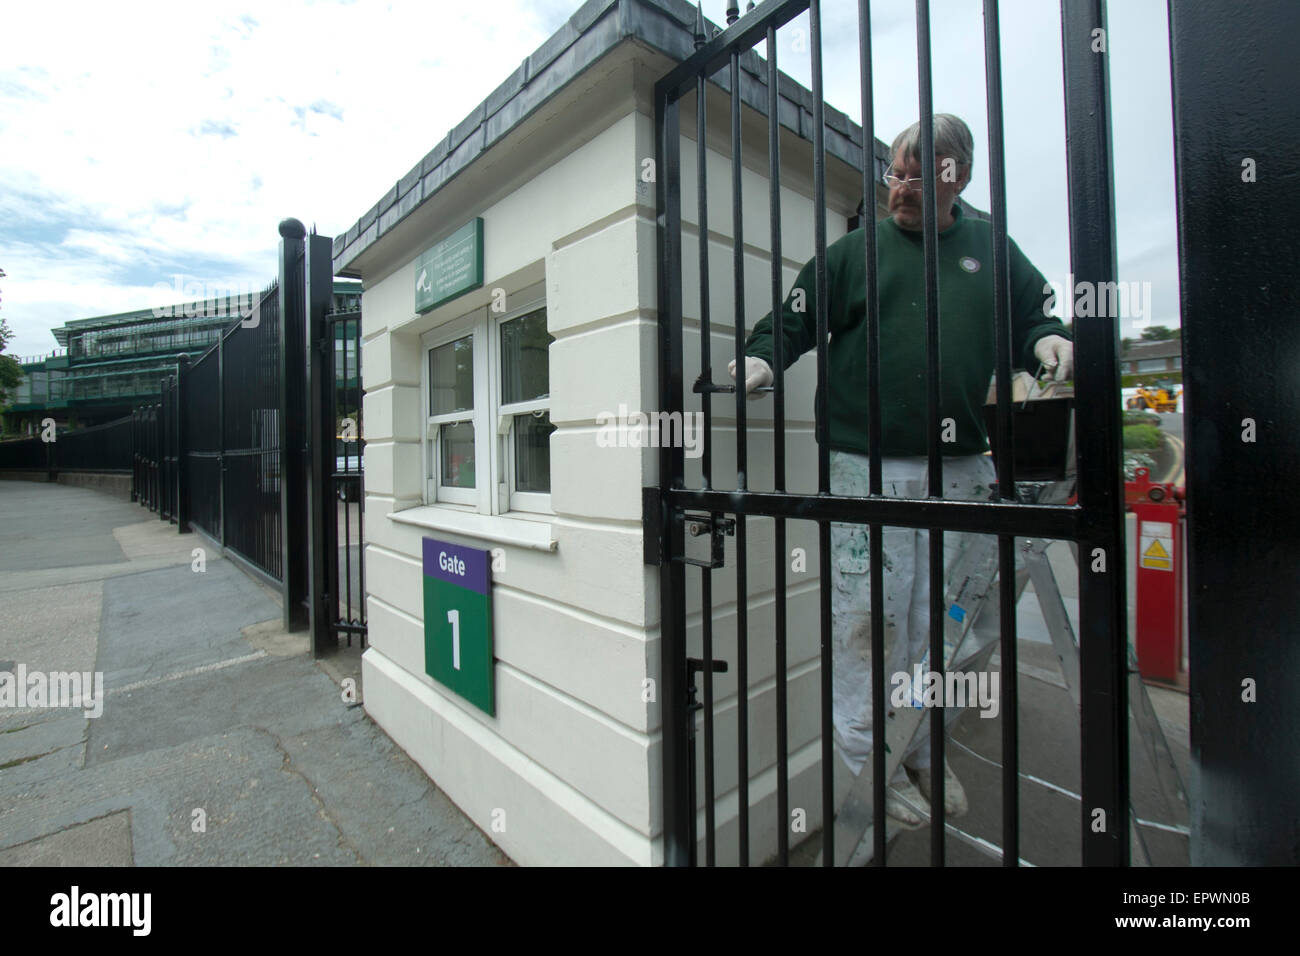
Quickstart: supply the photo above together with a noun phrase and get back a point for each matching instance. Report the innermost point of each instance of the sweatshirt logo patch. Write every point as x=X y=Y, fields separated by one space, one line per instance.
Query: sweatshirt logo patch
x=969 y=264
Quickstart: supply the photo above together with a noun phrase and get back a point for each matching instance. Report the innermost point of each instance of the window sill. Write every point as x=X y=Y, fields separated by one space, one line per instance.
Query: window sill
x=533 y=532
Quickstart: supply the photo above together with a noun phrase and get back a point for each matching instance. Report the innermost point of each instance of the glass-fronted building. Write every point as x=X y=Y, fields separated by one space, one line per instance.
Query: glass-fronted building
x=109 y=364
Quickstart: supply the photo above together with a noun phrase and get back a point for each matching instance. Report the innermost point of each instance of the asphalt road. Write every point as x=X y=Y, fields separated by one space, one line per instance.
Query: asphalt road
x=1171 y=423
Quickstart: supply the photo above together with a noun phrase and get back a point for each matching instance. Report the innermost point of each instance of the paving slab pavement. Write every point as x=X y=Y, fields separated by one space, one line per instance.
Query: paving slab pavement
x=221 y=742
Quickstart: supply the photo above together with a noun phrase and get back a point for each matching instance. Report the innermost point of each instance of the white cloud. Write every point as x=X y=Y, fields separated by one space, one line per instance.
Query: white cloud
x=143 y=140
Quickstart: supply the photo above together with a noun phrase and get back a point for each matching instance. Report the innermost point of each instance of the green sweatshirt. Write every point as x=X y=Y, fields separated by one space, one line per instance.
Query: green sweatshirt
x=966 y=336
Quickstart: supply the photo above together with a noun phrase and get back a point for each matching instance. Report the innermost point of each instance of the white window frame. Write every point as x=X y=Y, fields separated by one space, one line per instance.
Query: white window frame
x=473 y=327
x=510 y=498
x=495 y=491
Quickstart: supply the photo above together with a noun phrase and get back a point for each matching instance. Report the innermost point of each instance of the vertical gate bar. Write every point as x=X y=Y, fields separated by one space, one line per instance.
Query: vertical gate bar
x=874 y=486
x=292 y=362
x=133 y=455
x=778 y=456
x=930 y=237
x=742 y=484
x=318 y=269
x=678 y=801
x=706 y=463
x=361 y=487
x=159 y=449
x=823 y=429
x=1103 y=614
x=334 y=483
x=221 y=438
x=173 y=442
x=1004 y=456
x=169 y=424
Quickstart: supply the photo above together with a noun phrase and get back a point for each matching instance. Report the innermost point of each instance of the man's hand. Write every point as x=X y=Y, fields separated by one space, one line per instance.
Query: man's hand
x=757 y=374
x=1057 y=355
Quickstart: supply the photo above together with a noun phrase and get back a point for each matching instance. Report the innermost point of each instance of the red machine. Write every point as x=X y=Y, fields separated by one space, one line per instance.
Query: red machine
x=1159 y=627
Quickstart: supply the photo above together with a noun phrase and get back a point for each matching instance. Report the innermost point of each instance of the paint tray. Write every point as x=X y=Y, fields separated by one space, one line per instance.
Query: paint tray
x=1042 y=428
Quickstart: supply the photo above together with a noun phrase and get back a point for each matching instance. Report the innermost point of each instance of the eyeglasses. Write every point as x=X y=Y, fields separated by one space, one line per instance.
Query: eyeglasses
x=914 y=185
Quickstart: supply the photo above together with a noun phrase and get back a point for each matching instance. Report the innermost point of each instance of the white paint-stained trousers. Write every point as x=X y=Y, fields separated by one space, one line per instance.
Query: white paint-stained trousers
x=906 y=562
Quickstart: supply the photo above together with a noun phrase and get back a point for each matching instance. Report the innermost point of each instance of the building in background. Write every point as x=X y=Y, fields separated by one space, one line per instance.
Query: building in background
x=1159 y=359
x=109 y=364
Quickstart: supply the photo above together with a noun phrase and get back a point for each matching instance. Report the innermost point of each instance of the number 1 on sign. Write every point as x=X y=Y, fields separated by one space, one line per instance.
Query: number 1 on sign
x=454 y=617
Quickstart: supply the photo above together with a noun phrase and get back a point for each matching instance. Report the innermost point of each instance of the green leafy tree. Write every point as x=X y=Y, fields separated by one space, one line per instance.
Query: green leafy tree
x=1158 y=333
x=10 y=371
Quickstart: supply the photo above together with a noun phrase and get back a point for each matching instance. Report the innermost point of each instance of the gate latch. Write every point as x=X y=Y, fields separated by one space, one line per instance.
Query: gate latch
x=695 y=665
x=713 y=525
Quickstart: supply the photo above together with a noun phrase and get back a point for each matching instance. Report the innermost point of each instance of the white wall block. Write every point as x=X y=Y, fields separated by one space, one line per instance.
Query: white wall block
x=540 y=821
x=596 y=371
x=589 y=481
x=392 y=413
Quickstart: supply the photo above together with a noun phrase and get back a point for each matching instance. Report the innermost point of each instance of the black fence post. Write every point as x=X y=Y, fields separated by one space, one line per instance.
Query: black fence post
x=322 y=531
x=135 y=454
x=293 y=362
x=51 y=456
x=221 y=438
x=182 y=395
x=1234 y=92
x=1103 y=616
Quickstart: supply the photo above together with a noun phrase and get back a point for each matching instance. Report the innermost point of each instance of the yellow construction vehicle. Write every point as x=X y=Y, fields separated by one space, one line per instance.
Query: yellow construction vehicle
x=1160 y=397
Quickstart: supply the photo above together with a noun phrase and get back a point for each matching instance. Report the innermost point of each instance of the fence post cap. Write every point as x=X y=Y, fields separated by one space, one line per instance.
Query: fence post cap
x=292 y=229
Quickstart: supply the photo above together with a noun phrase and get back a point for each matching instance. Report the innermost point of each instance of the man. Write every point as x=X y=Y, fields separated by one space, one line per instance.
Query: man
x=966 y=321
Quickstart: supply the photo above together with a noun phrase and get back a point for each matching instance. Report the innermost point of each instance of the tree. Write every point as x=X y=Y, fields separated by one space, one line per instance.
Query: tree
x=1159 y=333
x=10 y=371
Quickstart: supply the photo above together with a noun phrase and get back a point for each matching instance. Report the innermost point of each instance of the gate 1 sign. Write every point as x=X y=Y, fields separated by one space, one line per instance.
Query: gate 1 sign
x=458 y=621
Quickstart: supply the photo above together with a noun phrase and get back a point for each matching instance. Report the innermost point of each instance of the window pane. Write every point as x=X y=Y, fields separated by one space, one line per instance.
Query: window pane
x=458 y=455
x=533 y=451
x=525 y=371
x=451 y=377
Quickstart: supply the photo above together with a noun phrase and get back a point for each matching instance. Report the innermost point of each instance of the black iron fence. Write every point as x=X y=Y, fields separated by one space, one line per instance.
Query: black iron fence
x=225 y=452
x=145 y=458
x=99 y=448
x=246 y=439
x=234 y=438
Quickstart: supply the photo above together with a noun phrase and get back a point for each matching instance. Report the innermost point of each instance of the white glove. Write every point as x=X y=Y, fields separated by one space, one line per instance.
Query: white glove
x=1057 y=355
x=757 y=374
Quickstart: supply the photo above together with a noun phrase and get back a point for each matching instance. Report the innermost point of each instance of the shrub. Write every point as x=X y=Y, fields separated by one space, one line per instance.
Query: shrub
x=1141 y=417
x=1146 y=437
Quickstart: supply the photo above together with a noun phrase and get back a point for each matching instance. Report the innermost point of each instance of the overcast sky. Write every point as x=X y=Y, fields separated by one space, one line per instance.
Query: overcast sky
x=144 y=141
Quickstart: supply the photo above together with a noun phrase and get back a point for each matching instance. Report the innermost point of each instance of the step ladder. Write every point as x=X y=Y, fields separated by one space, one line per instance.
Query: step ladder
x=973 y=587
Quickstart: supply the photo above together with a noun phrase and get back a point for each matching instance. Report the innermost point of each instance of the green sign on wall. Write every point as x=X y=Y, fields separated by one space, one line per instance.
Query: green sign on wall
x=450 y=268
x=458 y=621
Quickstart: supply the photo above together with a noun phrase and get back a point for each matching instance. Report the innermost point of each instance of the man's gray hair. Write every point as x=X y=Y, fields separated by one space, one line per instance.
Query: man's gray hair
x=952 y=137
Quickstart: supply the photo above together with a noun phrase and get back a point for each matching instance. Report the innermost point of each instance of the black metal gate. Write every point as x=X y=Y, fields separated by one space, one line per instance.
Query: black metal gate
x=1095 y=522
x=336 y=479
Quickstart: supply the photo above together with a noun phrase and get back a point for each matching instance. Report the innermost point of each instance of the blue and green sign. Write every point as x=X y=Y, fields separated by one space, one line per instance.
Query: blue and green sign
x=458 y=621
x=450 y=268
